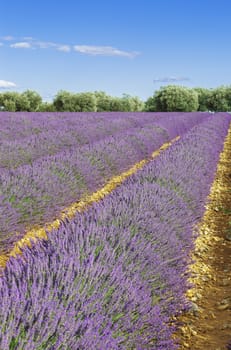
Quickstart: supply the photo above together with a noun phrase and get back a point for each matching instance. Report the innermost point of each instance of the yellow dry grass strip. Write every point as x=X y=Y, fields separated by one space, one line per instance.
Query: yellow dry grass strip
x=207 y=228
x=40 y=232
x=203 y=331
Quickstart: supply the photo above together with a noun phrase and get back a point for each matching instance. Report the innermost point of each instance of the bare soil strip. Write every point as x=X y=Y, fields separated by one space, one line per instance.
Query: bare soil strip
x=36 y=232
x=208 y=324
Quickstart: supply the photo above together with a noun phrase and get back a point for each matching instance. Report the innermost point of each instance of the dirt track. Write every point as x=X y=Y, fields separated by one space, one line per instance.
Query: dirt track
x=208 y=325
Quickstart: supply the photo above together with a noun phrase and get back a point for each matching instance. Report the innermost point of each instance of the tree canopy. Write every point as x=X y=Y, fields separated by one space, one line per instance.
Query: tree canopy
x=166 y=99
x=175 y=98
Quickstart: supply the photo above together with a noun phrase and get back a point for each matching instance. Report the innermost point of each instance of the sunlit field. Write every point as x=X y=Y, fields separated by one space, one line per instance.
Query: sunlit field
x=114 y=275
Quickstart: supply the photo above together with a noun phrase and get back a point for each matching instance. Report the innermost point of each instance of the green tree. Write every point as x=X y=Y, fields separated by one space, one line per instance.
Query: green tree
x=47 y=107
x=22 y=103
x=131 y=104
x=219 y=99
x=34 y=99
x=150 y=104
x=228 y=96
x=63 y=101
x=85 y=102
x=103 y=101
x=81 y=102
x=116 y=105
x=9 y=100
x=10 y=105
x=137 y=104
x=204 y=96
x=176 y=98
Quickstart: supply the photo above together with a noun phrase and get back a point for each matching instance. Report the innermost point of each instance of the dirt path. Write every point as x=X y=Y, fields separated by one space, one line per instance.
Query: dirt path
x=208 y=324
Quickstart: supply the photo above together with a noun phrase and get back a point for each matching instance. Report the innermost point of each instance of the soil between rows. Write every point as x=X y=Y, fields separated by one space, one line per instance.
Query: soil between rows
x=208 y=324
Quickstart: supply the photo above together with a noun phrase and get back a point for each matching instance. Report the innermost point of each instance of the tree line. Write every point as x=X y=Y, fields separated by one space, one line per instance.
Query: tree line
x=166 y=99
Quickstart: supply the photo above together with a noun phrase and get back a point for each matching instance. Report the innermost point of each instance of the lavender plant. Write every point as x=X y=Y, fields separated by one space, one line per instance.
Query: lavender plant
x=39 y=188
x=113 y=277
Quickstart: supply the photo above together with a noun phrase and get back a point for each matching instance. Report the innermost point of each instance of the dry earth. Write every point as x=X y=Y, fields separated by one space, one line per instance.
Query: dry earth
x=208 y=324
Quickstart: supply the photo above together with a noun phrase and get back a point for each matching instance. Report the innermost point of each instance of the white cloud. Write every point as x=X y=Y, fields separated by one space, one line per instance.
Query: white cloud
x=28 y=42
x=27 y=38
x=103 y=51
x=8 y=38
x=6 y=84
x=44 y=44
x=33 y=44
x=170 y=79
x=64 y=48
x=47 y=45
x=21 y=45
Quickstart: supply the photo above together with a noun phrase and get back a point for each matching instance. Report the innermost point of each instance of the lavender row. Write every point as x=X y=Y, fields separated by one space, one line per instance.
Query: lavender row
x=27 y=137
x=36 y=193
x=21 y=125
x=114 y=276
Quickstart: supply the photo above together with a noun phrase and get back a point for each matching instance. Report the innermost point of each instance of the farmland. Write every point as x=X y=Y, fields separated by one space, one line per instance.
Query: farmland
x=114 y=275
x=59 y=158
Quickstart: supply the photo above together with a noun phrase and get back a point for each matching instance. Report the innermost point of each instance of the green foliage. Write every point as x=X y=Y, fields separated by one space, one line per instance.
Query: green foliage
x=47 y=107
x=176 y=98
x=228 y=96
x=14 y=101
x=85 y=102
x=126 y=103
x=117 y=317
x=220 y=99
x=102 y=101
x=150 y=105
x=204 y=96
x=217 y=100
x=33 y=98
x=81 y=102
x=131 y=104
x=13 y=343
x=8 y=100
x=98 y=249
x=116 y=105
x=10 y=105
x=63 y=101
x=166 y=99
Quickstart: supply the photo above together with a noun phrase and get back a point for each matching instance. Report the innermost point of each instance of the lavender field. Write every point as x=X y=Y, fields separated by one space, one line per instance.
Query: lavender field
x=114 y=276
x=48 y=161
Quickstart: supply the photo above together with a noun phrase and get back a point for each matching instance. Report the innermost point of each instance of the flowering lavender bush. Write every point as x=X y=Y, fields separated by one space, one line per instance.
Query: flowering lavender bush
x=26 y=137
x=83 y=152
x=112 y=277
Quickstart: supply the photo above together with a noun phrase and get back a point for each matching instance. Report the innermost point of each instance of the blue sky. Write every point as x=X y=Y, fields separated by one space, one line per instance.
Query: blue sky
x=117 y=46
